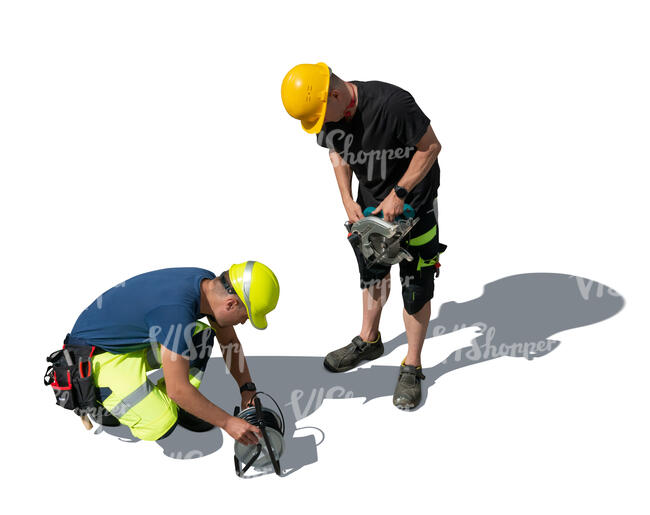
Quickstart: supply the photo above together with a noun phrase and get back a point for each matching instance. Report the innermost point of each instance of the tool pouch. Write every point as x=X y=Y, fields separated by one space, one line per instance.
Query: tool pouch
x=70 y=375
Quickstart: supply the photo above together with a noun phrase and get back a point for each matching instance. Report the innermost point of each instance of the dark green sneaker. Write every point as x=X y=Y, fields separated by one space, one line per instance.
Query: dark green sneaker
x=348 y=357
x=408 y=392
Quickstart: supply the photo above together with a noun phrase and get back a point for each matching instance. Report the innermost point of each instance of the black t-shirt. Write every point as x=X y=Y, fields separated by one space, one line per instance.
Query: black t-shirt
x=378 y=143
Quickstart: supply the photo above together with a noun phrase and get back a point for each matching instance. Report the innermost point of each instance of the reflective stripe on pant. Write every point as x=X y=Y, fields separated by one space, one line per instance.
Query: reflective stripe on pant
x=132 y=398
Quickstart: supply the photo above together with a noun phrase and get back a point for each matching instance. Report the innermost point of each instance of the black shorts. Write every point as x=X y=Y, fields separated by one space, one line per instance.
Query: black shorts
x=416 y=276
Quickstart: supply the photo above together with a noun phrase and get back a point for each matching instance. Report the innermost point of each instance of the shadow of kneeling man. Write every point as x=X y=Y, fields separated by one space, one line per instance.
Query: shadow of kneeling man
x=516 y=317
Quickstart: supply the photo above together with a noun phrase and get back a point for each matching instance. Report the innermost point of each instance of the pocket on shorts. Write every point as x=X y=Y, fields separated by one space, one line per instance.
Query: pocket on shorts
x=153 y=416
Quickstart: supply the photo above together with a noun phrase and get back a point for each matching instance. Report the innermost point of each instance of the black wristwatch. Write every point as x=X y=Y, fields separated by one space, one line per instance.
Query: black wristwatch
x=401 y=192
x=247 y=387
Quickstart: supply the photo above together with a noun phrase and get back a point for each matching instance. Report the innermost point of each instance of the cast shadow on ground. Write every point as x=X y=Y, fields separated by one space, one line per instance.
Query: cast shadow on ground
x=515 y=316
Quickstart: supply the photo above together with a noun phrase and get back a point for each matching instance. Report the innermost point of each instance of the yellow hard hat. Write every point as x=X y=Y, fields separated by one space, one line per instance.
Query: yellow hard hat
x=304 y=94
x=258 y=288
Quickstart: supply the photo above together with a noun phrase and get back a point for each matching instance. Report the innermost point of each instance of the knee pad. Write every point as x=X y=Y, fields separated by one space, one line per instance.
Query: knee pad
x=417 y=290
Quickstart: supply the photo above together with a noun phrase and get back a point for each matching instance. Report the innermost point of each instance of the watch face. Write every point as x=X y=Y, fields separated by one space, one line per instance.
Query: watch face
x=401 y=192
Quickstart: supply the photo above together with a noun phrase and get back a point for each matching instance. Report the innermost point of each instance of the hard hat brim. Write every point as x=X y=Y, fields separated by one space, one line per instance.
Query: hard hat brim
x=258 y=321
x=314 y=127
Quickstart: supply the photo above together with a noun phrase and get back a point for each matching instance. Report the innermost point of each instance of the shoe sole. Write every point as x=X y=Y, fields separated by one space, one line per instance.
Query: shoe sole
x=406 y=405
x=345 y=369
x=401 y=407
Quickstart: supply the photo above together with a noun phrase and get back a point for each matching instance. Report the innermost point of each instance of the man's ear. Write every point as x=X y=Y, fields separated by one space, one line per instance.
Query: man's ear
x=231 y=304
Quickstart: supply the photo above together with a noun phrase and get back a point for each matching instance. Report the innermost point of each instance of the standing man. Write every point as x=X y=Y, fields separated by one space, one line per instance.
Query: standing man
x=150 y=321
x=377 y=131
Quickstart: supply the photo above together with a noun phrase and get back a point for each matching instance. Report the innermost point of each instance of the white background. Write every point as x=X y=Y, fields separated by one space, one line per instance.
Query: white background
x=140 y=135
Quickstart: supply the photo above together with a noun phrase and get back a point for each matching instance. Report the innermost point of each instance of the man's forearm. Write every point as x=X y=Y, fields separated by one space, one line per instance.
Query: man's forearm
x=233 y=354
x=426 y=153
x=235 y=360
x=418 y=168
x=343 y=174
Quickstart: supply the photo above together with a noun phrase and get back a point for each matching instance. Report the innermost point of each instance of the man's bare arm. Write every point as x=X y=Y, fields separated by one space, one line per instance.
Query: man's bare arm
x=180 y=390
x=426 y=153
x=343 y=174
x=233 y=353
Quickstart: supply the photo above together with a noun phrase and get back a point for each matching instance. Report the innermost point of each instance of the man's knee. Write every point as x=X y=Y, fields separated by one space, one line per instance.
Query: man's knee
x=377 y=285
x=374 y=278
x=416 y=292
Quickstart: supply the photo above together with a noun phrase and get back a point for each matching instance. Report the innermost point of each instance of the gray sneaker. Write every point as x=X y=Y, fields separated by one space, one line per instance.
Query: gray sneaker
x=407 y=391
x=348 y=357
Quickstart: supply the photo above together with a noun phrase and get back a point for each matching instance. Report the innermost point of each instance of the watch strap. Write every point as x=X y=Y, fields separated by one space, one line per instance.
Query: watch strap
x=247 y=387
x=401 y=192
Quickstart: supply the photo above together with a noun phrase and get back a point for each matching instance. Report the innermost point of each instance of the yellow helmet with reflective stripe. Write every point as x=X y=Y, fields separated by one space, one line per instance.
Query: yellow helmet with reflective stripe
x=257 y=287
x=304 y=94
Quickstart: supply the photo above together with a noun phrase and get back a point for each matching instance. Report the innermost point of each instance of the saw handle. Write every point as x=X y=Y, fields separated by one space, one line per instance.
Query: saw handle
x=409 y=212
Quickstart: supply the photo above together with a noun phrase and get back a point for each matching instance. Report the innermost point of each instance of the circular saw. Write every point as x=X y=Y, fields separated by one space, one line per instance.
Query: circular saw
x=379 y=241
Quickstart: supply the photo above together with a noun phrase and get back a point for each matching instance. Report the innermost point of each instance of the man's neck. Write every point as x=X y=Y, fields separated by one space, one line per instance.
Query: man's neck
x=207 y=296
x=354 y=95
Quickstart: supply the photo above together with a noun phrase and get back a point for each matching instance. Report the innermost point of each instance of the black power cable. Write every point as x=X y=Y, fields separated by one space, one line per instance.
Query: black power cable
x=266 y=414
x=268 y=419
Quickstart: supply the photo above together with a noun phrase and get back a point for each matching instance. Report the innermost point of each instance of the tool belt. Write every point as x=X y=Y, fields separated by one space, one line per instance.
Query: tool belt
x=70 y=374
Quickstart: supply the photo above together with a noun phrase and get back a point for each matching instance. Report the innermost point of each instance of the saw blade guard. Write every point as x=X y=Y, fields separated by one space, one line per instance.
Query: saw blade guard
x=380 y=241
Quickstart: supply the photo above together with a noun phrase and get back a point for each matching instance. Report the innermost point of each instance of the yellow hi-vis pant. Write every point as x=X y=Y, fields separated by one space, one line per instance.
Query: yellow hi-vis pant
x=127 y=393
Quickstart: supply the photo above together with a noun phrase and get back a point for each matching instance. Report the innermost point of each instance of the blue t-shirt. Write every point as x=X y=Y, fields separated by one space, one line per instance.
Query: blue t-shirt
x=161 y=306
